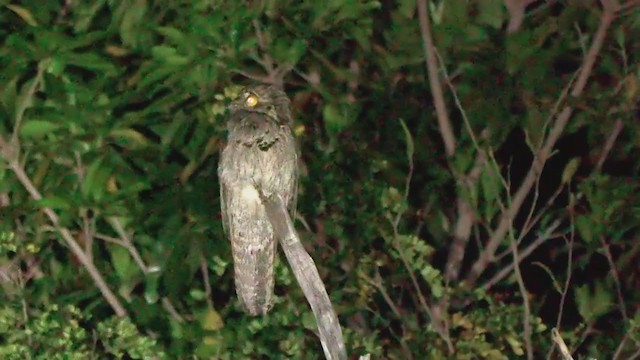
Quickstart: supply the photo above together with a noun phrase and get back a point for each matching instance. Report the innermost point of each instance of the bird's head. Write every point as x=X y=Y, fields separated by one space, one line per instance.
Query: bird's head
x=262 y=99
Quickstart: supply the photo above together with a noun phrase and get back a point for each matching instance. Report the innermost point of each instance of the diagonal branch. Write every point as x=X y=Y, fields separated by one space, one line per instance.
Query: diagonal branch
x=434 y=81
x=307 y=275
x=76 y=249
x=541 y=157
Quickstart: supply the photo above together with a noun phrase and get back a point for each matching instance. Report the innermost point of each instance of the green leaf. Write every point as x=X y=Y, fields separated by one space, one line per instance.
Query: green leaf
x=129 y=138
x=570 y=170
x=585 y=228
x=295 y=52
x=23 y=13
x=83 y=22
x=151 y=287
x=434 y=278
x=393 y=200
x=308 y=321
x=54 y=202
x=491 y=12
x=89 y=61
x=407 y=8
x=9 y=95
x=592 y=305
x=515 y=343
x=211 y=320
x=172 y=34
x=95 y=180
x=37 y=128
x=122 y=263
x=408 y=139
x=169 y=55
x=335 y=118
x=198 y=294
x=132 y=21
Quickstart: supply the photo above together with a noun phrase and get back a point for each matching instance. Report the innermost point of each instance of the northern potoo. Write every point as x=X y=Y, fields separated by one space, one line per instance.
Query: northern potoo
x=260 y=158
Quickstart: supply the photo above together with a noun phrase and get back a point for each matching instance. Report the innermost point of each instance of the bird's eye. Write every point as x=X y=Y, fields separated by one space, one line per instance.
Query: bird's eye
x=251 y=100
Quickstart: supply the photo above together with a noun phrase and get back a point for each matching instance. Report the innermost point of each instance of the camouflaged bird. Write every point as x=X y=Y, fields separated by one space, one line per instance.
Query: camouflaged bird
x=260 y=158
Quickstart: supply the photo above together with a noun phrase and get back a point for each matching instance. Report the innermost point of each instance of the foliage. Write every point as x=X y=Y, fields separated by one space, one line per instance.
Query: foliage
x=116 y=112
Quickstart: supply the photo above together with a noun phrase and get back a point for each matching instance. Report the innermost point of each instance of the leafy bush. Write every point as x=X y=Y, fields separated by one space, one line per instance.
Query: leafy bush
x=113 y=112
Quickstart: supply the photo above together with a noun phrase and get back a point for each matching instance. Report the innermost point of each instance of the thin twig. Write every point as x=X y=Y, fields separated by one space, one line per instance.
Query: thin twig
x=378 y=284
x=626 y=259
x=585 y=334
x=567 y=282
x=565 y=290
x=487 y=256
x=616 y=278
x=542 y=238
x=635 y=355
x=275 y=75
x=204 y=269
x=516 y=9
x=439 y=322
x=76 y=249
x=620 y=347
x=526 y=315
x=547 y=235
x=627 y=6
x=608 y=145
x=128 y=244
x=23 y=105
x=171 y=310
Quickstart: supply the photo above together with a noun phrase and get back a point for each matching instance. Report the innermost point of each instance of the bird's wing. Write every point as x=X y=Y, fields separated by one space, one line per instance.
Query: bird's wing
x=224 y=196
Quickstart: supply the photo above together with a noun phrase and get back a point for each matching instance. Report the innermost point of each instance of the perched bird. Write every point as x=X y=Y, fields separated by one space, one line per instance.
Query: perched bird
x=260 y=159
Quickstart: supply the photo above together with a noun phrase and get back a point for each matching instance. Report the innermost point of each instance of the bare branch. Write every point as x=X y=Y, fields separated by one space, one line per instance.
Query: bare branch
x=486 y=257
x=23 y=105
x=308 y=277
x=557 y=338
x=516 y=10
x=76 y=249
x=275 y=75
x=627 y=6
x=205 y=278
x=526 y=316
x=616 y=278
x=465 y=215
x=608 y=145
x=547 y=235
x=444 y=123
x=171 y=310
x=378 y=284
x=128 y=244
x=542 y=238
x=565 y=289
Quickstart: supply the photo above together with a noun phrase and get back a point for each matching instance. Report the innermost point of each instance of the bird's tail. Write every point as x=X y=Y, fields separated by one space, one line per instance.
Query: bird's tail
x=253 y=265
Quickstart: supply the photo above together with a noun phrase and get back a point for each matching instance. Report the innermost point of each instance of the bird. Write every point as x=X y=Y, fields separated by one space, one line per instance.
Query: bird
x=259 y=160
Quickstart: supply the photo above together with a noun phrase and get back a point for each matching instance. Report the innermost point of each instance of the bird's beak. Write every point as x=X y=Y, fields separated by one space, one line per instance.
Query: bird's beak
x=233 y=106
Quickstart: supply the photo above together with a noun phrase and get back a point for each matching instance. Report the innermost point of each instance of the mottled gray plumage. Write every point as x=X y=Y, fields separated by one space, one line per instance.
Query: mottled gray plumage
x=260 y=158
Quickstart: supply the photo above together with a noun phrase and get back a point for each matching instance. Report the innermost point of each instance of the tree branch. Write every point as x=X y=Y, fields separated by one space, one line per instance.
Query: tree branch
x=608 y=145
x=25 y=102
x=444 y=123
x=308 y=277
x=76 y=249
x=541 y=157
